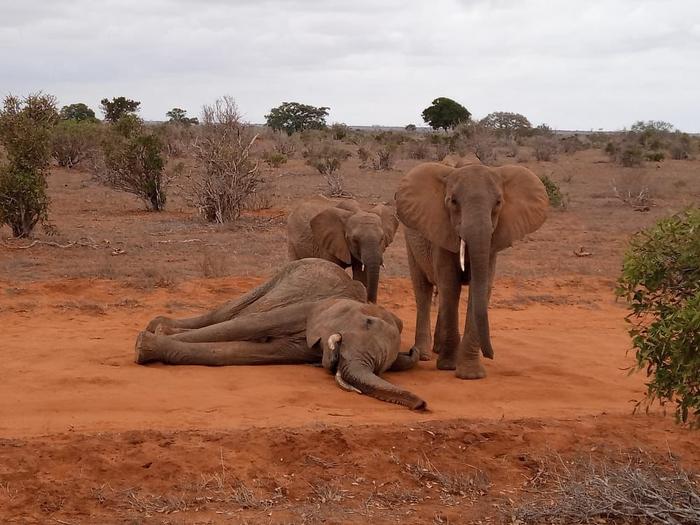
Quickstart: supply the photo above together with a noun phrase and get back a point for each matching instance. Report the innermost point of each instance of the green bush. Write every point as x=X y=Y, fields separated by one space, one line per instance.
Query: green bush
x=661 y=282
x=25 y=133
x=72 y=141
x=133 y=162
x=274 y=159
x=23 y=199
x=556 y=198
x=630 y=155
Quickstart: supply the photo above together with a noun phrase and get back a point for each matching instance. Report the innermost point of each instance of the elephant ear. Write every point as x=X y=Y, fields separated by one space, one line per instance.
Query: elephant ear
x=328 y=228
x=420 y=204
x=377 y=311
x=525 y=204
x=389 y=221
x=349 y=204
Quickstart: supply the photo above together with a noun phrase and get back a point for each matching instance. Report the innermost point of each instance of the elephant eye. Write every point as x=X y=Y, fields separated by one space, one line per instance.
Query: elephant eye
x=453 y=201
x=368 y=322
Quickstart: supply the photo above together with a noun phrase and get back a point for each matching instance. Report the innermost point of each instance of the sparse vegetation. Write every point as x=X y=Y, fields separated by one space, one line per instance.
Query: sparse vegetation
x=327 y=159
x=545 y=148
x=661 y=283
x=72 y=141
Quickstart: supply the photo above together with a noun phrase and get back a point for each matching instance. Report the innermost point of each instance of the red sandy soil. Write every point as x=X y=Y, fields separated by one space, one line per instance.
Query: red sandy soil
x=87 y=436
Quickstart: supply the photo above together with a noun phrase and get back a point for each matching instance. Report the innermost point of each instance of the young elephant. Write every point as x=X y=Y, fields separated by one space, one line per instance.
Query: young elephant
x=310 y=312
x=344 y=234
x=457 y=220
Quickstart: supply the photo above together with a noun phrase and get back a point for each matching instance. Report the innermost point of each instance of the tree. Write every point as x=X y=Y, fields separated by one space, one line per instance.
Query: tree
x=179 y=116
x=445 y=113
x=507 y=125
x=79 y=112
x=118 y=107
x=25 y=133
x=410 y=127
x=661 y=282
x=293 y=116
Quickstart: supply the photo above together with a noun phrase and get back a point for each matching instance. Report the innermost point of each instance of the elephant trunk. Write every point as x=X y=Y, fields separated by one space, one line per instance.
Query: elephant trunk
x=362 y=378
x=478 y=241
x=372 y=260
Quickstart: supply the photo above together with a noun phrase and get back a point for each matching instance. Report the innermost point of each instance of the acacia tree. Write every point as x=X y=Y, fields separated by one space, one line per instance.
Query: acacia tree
x=445 y=113
x=118 y=107
x=25 y=133
x=293 y=117
x=79 y=112
x=179 y=116
x=506 y=124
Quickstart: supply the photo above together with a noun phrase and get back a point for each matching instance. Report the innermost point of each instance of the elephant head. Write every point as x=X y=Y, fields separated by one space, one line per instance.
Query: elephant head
x=359 y=341
x=352 y=235
x=474 y=211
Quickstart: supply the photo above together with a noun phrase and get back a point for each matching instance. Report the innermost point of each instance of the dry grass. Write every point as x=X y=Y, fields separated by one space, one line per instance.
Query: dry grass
x=629 y=488
x=473 y=482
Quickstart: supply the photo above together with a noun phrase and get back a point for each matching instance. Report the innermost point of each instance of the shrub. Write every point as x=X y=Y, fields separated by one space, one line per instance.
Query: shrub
x=292 y=117
x=229 y=177
x=384 y=157
x=680 y=147
x=177 y=138
x=630 y=155
x=73 y=141
x=418 y=149
x=284 y=144
x=545 y=148
x=556 y=199
x=327 y=159
x=410 y=128
x=274 y=159
x=654 y=156
x=339 y=131
x=661 y=282
x=118 y=107
x=25 y=133
x=23 y=199
x=364 y=155
x=133 y=161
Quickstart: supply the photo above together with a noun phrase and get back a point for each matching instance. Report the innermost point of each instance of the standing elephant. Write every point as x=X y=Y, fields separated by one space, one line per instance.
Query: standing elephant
x=310 y=312
x=344 y=234
x=457 y=220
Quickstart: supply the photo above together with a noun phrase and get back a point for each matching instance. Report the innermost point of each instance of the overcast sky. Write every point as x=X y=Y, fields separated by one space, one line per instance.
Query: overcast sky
x=571 y=64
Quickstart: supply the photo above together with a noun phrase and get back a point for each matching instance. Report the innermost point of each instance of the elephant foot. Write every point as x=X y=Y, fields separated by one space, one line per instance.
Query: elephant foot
x=471 y=370
x=166 y=329
x=145 y=350
x=425 y=355
x=159 y=322
x=446 y=363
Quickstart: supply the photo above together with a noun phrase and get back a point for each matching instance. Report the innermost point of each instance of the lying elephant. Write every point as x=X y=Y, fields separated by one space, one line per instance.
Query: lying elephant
x=310 y=312
x=343 y=233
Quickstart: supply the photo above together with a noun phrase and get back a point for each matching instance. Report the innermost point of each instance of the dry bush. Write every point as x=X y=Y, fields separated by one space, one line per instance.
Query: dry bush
x=284 y=144
x=327 y=159
x=633 y=189
x=274 y=159
x=418 y=149
x=384 y=157
x=574 y=143
x=229 y=177
x=177 y=138
x=626 y=489
x=545 y=148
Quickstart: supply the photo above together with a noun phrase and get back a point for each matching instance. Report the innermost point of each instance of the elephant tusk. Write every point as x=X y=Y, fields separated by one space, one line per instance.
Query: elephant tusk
x=345 y=386
x=462 y=250
x=333 y=340
x=363 y=267
x=382 y=266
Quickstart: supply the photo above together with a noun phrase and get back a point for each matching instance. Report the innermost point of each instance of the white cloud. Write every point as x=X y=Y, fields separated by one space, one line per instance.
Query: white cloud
x=571 y=64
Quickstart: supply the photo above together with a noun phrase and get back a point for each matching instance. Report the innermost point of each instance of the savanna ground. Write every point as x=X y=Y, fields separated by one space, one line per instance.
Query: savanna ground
x=87 y=436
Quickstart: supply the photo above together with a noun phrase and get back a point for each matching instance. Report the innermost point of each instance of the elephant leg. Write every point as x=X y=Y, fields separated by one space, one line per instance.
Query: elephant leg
x=446 y=331
x=286 y=350
x=405 y=361
x=275 y=323
x=223 y=313
x=469 y=364
x=423 y=291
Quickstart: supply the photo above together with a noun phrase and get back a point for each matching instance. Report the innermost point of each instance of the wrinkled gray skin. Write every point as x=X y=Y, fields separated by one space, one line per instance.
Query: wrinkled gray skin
x=457 y=219
x=344 y=234
x=310 y=312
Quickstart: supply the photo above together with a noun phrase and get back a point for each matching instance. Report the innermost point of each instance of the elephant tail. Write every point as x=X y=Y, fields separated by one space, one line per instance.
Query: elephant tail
x=357 y=377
